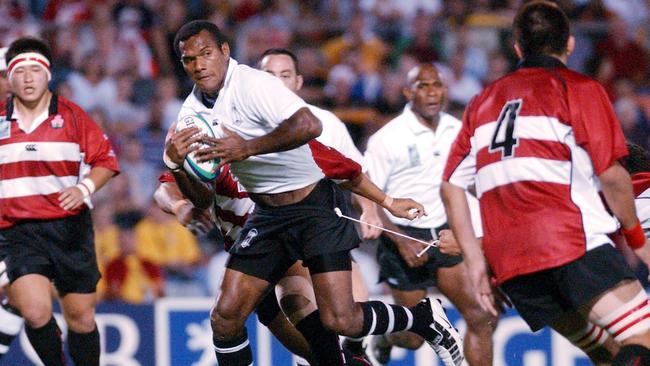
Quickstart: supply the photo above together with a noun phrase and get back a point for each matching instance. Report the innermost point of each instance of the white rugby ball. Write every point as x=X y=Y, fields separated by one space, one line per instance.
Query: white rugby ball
x=206 y=171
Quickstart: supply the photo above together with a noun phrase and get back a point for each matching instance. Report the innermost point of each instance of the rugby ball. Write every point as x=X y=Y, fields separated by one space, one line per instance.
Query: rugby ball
x=206 y=171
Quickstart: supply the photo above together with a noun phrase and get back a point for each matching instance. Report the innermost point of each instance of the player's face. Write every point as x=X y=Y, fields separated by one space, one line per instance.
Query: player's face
x=282 y=66
x=205 y=62
x=29 y=83
x=427 y=94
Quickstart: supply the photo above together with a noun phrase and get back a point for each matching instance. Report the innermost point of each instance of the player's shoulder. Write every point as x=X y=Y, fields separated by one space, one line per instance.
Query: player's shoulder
x=248 y=77
x=65 y=105
x=326 y=117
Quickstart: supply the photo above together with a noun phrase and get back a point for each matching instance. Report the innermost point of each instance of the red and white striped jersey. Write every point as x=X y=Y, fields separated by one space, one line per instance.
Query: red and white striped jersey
x=56 y=153
x=534 y=143
x=231 y=204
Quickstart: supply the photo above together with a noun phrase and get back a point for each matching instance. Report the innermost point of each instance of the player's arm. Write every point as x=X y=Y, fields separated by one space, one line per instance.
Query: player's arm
x=295 y=131
x=168 y=197
x=177 y=146
x=369 y=214
x=616 y=186
x=408 y=249
x=399 y=207
x=458 y=217
x=73 y=197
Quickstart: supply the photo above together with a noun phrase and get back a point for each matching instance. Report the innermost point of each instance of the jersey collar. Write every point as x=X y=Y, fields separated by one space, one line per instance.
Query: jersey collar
x=541 y=61
x=53 y=108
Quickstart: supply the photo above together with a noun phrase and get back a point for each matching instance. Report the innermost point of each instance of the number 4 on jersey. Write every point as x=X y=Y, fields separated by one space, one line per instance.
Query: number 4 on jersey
x=503 y=139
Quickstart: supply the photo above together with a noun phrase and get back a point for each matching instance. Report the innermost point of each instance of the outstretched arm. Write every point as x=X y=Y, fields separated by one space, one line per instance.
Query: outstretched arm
x=399 y=207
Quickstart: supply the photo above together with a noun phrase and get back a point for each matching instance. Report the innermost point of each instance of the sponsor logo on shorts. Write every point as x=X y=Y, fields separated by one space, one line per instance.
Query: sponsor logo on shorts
x=247 y=240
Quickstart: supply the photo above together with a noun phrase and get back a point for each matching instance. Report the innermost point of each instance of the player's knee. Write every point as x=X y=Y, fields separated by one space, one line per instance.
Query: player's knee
x=225 y=324
x=632 y=355
x=37 y=314
x=297 y=297
x=339 y=322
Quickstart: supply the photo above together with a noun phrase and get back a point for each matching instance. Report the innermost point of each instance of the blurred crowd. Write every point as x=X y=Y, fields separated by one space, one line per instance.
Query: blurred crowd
x=116 y=60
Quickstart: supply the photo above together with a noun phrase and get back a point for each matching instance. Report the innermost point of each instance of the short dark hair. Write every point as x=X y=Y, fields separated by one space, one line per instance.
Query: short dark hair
x=541 y=27
x=195 y=27
x=637 y=160
x=28 y=44
x=280 y=51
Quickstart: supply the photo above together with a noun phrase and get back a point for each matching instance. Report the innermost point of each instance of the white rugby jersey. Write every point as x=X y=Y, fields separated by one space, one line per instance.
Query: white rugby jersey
x=335 y=134
x=406 y=159
x=641 y=183
x=253 y=103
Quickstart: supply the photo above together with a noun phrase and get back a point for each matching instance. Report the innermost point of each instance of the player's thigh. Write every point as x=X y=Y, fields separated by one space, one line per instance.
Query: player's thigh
x=240 y=293
x=31 y=295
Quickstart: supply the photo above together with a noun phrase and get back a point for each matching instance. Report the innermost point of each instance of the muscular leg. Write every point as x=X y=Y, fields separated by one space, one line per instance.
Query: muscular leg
x=31 y=296
x=83 y=336
x=600 y=348
x=480 y=324
x=623 y=312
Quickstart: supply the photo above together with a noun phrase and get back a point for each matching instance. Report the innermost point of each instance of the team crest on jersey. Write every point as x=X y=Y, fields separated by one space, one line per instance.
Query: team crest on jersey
x=57 y=121
x=247 y=240
x=5 y=128
x=414 y=156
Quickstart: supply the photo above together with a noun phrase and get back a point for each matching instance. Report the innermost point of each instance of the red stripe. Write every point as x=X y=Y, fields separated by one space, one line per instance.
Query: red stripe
x=542 y=149
x=23 y=169
x=631 y=325
x=595 y=339
x=623 y=316
x=227 y=186
x=13 y=63
x=332 y=163
x=593 y=328
x=42 y=207
x=231 y=217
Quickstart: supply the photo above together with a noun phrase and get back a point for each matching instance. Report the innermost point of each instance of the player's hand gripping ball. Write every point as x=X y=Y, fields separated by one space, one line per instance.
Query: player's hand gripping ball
x=206 y=171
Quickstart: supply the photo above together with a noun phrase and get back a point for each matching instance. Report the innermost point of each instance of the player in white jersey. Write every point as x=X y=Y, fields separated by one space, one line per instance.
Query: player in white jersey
x=265 y=132
x=406 y=158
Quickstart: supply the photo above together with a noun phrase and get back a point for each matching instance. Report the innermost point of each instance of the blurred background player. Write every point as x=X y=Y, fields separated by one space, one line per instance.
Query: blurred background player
x=53 y=158
x=406 y=158
x=545 y=132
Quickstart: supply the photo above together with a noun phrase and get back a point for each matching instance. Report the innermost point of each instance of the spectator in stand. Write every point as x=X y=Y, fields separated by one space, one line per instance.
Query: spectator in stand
x=629 y=58
x=130 y=277
x=90 y=86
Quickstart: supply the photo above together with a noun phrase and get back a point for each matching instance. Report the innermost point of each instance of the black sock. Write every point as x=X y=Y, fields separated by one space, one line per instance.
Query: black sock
x=46 y=341
x=10 y=325
x=236 y=352
x=382 y=318
x=84 y=347
x=354 y=345
x=324 y=344
x=632 y=355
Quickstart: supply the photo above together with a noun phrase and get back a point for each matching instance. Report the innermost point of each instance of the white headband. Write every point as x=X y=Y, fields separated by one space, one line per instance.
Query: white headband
x=28 y=59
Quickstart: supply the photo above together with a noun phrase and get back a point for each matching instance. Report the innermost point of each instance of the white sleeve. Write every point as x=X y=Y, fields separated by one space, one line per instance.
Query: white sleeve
x=267 y=100
x=336 y=135
x=377 y=162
